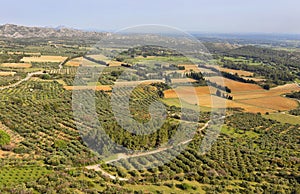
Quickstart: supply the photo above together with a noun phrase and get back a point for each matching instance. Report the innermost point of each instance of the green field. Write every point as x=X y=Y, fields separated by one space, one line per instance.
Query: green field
x=242 y=60
x=284 y=118
x=238 y=133
x=156 y=59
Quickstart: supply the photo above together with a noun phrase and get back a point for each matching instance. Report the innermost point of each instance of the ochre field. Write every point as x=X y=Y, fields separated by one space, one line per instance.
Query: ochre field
x=7 y=73
x=115 y=63
x=235 y=86
x=75 y=62
x=81 y=61
x=44 y=58
x=99 y=57
x=239 y=72
x=195 y=68
x=16 y=65
x=249 y=97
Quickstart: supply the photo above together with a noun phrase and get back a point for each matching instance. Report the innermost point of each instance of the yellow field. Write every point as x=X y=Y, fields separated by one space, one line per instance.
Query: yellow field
x=75 y=62
x=80 y=61
x=273 y=92
x=273 y=102
x=99 y=57
x=235 y=86
x=44 y=58
x=16 y=65
x=233 y=71
x=287 y=88
x=15 y=53
x=7 y=73
x=183 y=80
x=249 y=97
x=239 y=72
x=115 y=63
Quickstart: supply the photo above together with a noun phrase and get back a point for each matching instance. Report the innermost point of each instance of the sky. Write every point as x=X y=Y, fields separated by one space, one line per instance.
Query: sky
x=219 y=16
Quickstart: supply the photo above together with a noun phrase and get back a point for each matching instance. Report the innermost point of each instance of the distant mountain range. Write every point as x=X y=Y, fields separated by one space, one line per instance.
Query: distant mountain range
x=16 y=31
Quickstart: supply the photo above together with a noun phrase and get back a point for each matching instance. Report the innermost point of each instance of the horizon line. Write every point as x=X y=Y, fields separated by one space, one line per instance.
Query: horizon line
x=195 y=32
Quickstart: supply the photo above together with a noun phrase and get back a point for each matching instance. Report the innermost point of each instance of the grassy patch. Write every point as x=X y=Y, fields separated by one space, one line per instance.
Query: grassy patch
x=284 y=118
x=242 y=60
x=238 y=133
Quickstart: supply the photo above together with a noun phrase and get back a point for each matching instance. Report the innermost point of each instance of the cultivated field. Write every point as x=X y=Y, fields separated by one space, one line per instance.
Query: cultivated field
x=239 y=72
x=235 y=86
x=99 y=57
x=7 y=73
x=183 y=80
x=75 y=62
x=250 y=97
x=80 y=61
x=274 y=102
x=284 y=118
x=115 y=63
x=16 y=65
x=43 y=58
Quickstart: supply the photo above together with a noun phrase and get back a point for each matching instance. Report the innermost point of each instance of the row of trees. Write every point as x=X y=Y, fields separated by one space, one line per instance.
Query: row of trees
x=223 y=95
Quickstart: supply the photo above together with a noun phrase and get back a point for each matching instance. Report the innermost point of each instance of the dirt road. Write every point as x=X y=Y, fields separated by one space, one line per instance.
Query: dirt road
x=29 y=75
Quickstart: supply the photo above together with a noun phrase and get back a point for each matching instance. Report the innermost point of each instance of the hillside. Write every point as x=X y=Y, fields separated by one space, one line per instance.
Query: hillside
x=16 y=31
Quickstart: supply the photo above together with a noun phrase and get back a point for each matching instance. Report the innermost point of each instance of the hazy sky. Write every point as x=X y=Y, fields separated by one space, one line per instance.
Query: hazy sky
x=270 y=16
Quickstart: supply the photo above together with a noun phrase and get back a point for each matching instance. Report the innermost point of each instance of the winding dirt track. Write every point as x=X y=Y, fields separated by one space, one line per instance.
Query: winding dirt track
x=126 y=156
x=29 y=75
